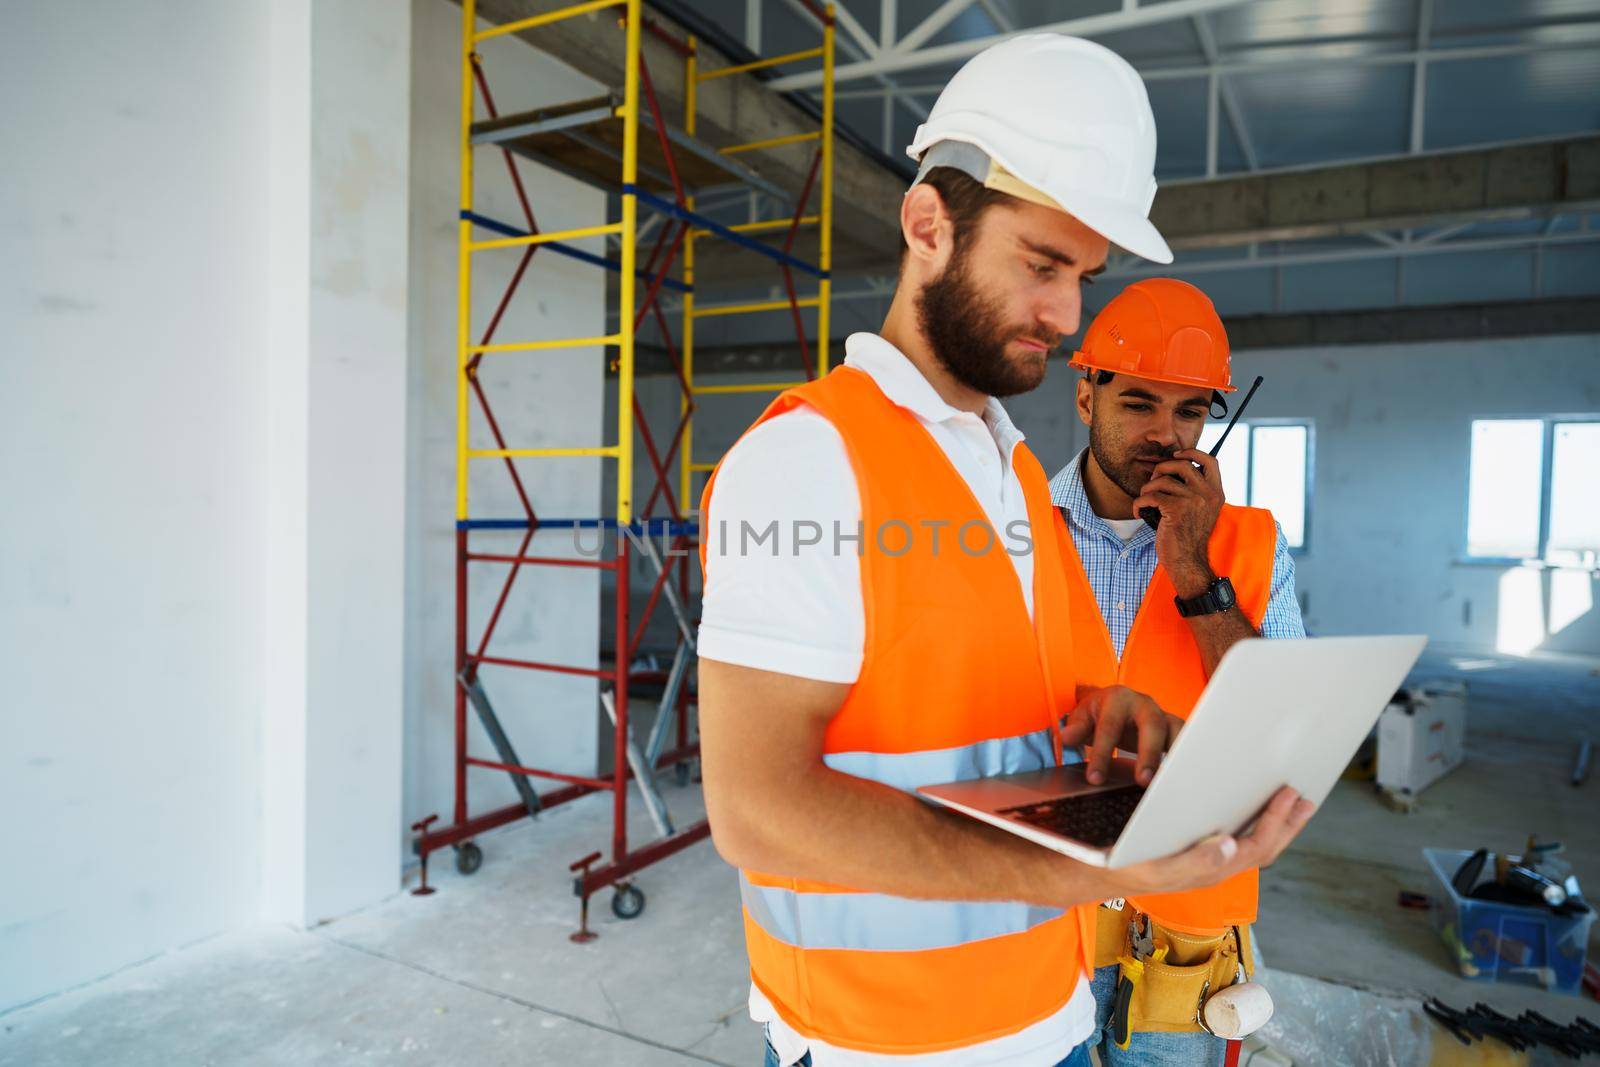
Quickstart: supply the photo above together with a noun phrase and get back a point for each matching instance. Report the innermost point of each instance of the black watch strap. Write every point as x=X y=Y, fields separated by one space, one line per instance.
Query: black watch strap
x=1217 y=597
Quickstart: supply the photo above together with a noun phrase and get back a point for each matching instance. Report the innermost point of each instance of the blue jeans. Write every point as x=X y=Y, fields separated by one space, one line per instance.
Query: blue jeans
x=1198 y=1049
x=1078 y=1057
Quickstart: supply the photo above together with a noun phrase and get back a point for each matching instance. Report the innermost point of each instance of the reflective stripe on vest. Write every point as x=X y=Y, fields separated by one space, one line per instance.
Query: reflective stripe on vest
x=956 y=682
x=1162 y=660
x=907 y=771
x=877 y=922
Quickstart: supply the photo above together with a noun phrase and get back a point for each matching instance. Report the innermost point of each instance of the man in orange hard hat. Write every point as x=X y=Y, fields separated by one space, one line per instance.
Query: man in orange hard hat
x=1154 y=607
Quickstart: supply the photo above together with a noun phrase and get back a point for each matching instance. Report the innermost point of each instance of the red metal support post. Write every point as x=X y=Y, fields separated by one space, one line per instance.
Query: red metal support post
x=619 y=830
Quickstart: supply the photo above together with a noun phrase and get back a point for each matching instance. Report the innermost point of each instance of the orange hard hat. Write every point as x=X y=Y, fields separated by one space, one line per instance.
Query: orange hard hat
x=1162 y=329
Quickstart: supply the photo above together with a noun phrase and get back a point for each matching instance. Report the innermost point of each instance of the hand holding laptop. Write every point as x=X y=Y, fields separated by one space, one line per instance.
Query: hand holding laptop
x=1219 y=857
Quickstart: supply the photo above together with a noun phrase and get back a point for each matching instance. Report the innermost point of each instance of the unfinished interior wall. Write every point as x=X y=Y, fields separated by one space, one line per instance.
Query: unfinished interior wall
x=133 y=433
x=542 y=399
x=1387 y=543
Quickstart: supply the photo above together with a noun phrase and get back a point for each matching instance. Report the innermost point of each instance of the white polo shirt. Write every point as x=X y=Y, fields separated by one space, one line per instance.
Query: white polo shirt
x=799 y=610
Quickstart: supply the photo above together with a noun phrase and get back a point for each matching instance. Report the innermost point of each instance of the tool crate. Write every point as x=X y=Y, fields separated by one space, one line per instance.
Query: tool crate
x=1494 y=942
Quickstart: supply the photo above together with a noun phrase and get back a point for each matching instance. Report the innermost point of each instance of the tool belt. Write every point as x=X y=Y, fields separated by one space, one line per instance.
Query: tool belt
x=1166 y=979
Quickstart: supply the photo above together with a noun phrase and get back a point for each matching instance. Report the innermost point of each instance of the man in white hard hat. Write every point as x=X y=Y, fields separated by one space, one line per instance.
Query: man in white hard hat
x=848 y=657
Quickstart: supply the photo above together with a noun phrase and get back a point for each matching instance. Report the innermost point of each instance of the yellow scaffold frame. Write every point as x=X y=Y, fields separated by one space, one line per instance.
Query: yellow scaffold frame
x=520 y=134
x=822 y=301
x=627 y=230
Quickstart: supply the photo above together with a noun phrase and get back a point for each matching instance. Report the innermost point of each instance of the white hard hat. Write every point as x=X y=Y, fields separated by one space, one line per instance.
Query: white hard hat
x=1058 y=121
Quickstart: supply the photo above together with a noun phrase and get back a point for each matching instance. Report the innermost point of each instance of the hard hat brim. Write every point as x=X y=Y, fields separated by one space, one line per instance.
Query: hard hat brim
x=1117 y=223
x=1080 y=361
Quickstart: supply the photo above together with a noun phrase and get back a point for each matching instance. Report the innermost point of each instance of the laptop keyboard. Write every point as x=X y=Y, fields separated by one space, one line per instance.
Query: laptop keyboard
x=1094 y=818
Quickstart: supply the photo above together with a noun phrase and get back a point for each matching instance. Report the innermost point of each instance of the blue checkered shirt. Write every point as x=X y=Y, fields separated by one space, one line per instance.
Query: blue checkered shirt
x=1120 y=571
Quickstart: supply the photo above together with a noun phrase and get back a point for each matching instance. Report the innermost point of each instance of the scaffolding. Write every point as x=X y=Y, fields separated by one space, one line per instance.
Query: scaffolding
x=598 y=140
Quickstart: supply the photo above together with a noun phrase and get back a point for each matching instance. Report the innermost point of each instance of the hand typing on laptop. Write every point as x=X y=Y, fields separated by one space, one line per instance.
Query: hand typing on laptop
x=1114 y=717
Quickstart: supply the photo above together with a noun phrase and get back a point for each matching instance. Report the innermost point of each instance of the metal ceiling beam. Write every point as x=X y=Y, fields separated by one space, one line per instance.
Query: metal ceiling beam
x=1299 y=259
x=859 y=42
x=1230 y=101
x=1532 y=180
x=1436 y=191
x=1319 y=329
x=1002 y=21
x=1419 y=75
x=1436 y=243
x=905 y=57
x=1235 y=65
x=857 y=32
x=888 y=25
x=920 y=34
x=1450 y=322
x=752 y=25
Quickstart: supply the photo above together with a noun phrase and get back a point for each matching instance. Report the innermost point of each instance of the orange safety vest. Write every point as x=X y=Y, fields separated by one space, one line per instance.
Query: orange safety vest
x=955 y=683
x=1162 y=660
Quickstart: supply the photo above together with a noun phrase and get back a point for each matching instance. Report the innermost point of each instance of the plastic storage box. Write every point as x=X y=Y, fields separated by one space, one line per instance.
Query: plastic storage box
x=1494 y=942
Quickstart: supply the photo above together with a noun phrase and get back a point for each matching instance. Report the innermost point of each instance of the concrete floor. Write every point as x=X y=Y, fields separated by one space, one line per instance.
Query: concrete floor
x=483 y=972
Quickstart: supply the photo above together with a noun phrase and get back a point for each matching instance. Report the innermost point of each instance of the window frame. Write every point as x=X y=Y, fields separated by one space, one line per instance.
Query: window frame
x=1548 y=422
x=1310 y=425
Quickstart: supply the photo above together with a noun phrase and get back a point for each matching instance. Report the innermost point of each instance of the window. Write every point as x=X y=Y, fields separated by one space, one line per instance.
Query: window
x=1267 y=465
x=1528 y=495
x=1574 y=511
x=1503 y=488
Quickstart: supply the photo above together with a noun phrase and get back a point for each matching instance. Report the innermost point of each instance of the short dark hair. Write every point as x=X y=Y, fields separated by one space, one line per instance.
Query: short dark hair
x=965 y=198
x=1101 y=377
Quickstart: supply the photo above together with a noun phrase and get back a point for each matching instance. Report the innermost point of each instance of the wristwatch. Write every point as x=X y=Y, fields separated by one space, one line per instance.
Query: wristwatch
x=1217 y=597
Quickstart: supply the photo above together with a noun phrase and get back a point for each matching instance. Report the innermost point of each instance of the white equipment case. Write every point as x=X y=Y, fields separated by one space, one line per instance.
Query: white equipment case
x=1420 y=736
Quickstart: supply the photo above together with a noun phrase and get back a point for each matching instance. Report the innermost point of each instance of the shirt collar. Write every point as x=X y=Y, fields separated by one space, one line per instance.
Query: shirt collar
x=1068 y=494
x=904 y=384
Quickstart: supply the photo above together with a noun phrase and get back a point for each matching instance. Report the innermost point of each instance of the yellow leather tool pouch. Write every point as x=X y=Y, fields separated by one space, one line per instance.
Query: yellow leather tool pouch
x=1111 y=934
x=1168 y=996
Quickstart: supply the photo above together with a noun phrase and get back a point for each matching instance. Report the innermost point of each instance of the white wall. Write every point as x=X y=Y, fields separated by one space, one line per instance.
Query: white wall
x=223 y=532
x=336 y=456
x=132 y=423
x=551 y=398
x=202 y=411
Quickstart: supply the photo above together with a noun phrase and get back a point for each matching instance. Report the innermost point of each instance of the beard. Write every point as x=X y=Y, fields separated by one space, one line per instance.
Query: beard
x=1119 y=462
x=965 y=329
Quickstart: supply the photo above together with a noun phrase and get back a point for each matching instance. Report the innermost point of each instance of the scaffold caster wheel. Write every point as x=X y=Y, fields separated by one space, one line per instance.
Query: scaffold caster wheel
x=627 y=902
x=469 y=857
x=681 y=772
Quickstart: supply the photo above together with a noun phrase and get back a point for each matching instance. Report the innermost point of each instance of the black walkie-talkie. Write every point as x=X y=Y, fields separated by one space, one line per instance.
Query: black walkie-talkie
x=1152 y=516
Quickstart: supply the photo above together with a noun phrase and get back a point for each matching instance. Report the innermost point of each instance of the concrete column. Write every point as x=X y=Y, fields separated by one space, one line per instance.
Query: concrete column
x=337 y=262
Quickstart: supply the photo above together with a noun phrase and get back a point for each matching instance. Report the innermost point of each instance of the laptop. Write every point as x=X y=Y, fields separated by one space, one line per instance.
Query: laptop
x=1275 y=713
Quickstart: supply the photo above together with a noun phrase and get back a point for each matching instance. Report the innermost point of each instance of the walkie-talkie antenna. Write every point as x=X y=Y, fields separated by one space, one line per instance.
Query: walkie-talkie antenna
x=1152 y=516
x=1237 y=412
